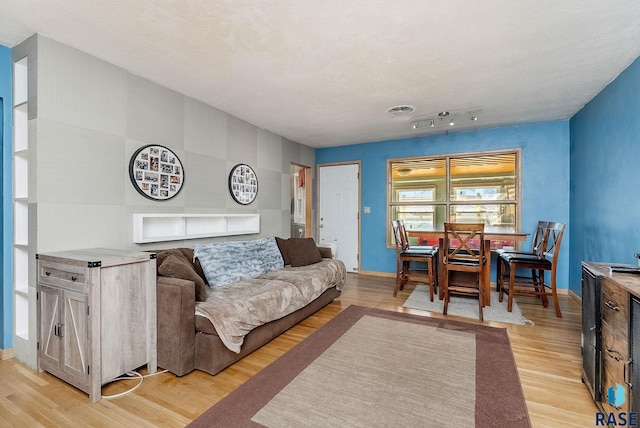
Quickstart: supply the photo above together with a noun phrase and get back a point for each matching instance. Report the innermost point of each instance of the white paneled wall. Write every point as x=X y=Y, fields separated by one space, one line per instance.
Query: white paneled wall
x=86 y=118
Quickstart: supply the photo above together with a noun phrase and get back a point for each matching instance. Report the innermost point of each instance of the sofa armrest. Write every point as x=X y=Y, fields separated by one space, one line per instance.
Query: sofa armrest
x=176 y=324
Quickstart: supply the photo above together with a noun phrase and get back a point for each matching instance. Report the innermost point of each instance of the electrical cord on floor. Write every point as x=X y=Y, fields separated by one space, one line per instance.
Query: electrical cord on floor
x=131 y=376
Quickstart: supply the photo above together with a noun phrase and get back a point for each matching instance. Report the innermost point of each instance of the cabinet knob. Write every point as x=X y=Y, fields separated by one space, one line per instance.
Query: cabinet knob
x=74 y=278
x=47 y=273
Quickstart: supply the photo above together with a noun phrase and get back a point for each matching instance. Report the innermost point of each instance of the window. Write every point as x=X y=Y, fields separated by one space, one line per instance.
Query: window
x=469 y=188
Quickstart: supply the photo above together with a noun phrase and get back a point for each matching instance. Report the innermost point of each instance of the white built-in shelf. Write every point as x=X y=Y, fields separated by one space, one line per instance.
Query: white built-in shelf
x=20 y=127
x=21 y=153
x=20 y=81
x=21 y=177
x=20 y=223
x=21 y=306
x=150 y=227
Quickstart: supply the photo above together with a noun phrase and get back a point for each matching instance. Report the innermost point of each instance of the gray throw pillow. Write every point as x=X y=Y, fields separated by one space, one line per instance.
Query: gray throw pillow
x=226 y=262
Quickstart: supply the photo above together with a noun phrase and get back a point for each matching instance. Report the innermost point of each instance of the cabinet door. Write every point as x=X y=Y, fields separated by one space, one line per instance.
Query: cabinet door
x=75 y=327
x=50 y=342
x=591 y=333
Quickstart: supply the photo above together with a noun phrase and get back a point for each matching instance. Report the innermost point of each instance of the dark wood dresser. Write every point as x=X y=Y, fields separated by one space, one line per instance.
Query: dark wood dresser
x=610 y=319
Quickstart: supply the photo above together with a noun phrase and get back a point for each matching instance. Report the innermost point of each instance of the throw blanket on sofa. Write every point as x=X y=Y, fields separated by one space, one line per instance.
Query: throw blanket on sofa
x=237 y=308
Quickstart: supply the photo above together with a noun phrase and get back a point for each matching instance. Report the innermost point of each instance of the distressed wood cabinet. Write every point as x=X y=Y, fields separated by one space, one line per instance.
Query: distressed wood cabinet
x=96 y=315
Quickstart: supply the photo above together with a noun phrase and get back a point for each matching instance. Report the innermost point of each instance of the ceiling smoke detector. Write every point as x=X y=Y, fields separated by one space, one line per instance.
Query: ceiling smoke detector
x=402 y=110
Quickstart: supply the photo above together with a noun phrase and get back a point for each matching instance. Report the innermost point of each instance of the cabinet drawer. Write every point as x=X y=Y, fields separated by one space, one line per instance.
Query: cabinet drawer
x=67 y=276
x=615 y=352
x=615 y=310
x=610 y=380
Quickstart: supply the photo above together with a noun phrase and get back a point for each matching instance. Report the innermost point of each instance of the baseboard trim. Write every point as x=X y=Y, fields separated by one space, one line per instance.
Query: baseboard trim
x=575 y=297
x=376 y=273
x=5 y=354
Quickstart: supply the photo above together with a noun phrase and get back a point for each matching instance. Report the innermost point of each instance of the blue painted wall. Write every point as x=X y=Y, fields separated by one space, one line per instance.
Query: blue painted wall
x=605 y=176
x=6 y=214
x=545 y=179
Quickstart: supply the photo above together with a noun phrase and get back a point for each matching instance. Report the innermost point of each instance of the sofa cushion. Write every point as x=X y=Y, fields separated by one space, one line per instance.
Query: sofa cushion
x=226 y=262
x=176 y=265
x=282 y=245
x=303 y=251
x=186 y=253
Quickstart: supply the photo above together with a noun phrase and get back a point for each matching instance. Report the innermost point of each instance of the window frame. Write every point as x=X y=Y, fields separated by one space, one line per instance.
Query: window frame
x=449 y=202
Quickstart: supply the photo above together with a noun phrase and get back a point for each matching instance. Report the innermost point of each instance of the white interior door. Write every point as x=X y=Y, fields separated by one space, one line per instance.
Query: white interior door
x=339 y=212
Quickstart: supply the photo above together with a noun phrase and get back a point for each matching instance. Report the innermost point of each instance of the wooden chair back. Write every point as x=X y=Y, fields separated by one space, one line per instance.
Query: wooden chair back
x=398 y=236
x=552 y=242
x=538 y=246
x=463 y=243
x=403 y=234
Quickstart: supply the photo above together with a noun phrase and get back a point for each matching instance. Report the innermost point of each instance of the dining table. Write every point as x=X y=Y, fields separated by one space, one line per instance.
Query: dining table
x=495 y=234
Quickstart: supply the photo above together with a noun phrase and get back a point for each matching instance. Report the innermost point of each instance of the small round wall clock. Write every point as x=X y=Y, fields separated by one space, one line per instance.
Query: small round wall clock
x=156 y=172
x=243 y=184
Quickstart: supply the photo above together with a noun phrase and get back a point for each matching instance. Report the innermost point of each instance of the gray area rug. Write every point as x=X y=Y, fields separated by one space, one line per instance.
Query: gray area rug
x=362 y=366
x=466 y=307
x=369 y=368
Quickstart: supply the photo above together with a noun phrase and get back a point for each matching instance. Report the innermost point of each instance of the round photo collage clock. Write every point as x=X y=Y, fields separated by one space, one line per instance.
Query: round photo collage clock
x=156 y=172
x=243 y=184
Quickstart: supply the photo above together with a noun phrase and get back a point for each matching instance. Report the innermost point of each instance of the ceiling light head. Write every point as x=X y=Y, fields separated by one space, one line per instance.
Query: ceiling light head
x=443 y=114
x=415 y=125
x=474 y=118
x=451 y=122
x=433 y=123
x=401 y=110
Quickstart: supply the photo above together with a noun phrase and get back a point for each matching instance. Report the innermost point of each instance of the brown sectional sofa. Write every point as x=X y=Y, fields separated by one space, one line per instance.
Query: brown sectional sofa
x=187 y=341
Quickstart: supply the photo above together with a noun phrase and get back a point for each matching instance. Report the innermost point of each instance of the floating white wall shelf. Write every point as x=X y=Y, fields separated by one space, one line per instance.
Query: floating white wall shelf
x=150 y=227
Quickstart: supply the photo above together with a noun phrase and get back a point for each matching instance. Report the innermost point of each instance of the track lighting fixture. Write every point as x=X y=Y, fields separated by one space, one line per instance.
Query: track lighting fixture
x=444 y=117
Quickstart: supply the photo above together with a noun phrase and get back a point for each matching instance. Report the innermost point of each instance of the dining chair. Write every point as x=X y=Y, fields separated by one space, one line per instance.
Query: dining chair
x=541 y=263
x=503 y=255
x=413 y=264
x=405 y=235
x=463 y=253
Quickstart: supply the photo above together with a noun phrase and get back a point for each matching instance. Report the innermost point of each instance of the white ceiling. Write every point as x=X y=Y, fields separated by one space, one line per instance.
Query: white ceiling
x=324 y=73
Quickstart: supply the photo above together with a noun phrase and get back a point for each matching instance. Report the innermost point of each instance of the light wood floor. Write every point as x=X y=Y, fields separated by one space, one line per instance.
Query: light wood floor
x=547 y=356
